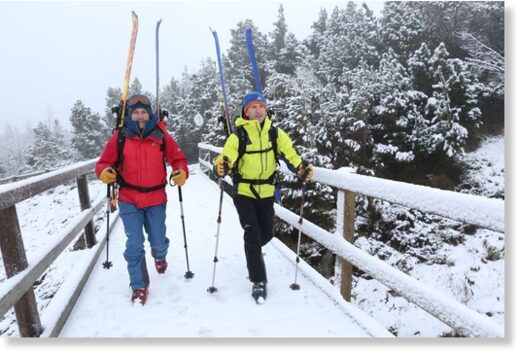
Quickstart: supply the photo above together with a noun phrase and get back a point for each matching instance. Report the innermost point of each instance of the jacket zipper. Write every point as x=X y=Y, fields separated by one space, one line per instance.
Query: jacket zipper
x=261 y=157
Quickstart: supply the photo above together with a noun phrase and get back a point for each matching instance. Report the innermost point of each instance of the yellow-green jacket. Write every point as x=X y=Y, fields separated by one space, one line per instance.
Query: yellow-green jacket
x=259 y=166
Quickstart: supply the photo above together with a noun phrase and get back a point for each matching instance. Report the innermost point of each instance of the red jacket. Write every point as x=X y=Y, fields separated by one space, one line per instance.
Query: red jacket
x=143 y=164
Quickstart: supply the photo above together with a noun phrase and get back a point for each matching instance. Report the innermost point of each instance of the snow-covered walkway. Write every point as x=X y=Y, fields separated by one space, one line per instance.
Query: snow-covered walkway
x=183 y=308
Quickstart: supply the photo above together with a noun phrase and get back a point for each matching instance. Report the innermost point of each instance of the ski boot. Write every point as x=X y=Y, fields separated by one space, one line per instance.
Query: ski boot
x=161 y=265
x=259 y=292
x=140 y=296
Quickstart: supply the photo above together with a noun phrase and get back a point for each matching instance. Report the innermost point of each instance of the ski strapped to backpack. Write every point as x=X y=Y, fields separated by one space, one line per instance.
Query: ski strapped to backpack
x=222 y=81
x=252 y=57
x=131 y=51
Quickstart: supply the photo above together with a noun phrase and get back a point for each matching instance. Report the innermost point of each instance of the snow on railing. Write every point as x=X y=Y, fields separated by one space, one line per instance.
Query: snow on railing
x=488 y=213
x=484 y=212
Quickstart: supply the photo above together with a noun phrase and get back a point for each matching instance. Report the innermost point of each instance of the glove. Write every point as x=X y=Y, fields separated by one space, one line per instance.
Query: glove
x=108 y=175
x=223 y=166
x=179 y=177
x=305 y=171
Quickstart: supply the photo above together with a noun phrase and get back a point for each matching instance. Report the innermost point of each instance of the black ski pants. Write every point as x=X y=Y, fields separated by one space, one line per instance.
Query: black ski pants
x=257 y=220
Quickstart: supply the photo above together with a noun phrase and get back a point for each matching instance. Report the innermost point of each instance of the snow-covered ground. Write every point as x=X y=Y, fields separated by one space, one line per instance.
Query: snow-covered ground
x=183 y=308
x=486 y=174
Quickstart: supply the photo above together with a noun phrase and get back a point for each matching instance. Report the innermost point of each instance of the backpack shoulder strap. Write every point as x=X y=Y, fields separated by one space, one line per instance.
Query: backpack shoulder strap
x=121 y=138
x=273 y=135
x=242 y=143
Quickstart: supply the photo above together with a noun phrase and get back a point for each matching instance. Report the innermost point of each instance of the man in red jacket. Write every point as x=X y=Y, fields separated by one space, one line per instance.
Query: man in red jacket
x=144 y=146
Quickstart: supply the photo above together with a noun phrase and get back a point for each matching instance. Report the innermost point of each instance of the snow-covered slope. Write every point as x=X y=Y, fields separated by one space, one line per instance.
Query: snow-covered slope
x=467 y=263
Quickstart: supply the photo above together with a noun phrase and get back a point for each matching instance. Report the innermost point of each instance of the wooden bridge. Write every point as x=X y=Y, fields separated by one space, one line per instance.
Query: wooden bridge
x=93 y=302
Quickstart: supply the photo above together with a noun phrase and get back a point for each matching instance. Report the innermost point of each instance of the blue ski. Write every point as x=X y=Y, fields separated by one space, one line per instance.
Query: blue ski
x=222 y=80
x=252 y=56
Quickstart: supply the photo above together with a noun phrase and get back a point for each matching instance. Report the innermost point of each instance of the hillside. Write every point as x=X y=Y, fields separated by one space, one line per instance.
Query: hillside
x=463 y=261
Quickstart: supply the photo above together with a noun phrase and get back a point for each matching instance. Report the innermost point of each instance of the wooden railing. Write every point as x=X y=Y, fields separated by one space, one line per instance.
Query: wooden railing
x=483 y=212
x=17 y=289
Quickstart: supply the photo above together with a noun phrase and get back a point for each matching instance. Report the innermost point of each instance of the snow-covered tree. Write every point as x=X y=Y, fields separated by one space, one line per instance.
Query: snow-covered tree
x=89 y=131
x=451 y=108
x=49 y=149
x=201 y=98
x=350 y=37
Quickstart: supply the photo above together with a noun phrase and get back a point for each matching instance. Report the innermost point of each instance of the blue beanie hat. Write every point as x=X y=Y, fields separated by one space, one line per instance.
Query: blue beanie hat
x=251 y=98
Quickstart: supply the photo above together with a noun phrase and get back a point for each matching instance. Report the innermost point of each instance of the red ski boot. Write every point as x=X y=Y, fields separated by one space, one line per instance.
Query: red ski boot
x=140 y=296
x=161 y=265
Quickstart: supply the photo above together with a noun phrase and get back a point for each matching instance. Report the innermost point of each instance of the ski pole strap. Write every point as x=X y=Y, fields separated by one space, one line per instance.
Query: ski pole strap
x=253 y=62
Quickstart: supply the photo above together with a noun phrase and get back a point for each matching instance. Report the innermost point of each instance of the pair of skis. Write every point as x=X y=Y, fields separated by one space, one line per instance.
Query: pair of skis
x=126 y=85
x=255 y=73
x=129 y=62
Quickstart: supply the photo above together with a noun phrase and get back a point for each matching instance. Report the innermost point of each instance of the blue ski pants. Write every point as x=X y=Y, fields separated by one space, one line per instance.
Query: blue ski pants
x=136 y=221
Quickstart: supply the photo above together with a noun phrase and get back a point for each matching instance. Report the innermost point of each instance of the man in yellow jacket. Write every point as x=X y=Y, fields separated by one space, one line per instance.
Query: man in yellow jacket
x=254 y=175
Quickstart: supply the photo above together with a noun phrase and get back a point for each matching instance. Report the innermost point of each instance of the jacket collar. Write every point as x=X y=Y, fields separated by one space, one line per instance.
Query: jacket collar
x=253 y=124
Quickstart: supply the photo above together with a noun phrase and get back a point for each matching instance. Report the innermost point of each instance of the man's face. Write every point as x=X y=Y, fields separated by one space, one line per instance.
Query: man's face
x=141 y=116
x=257 y=111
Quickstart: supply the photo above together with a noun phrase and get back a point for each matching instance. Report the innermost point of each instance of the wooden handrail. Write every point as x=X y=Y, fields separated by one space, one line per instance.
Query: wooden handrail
x=13 y=193
x=458 y=316
x=17 y=289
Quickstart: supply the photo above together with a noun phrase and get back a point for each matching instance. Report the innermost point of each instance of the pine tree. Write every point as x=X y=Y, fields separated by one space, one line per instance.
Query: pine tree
x=201 y=98
x=451 y=108
x=285 y=53
x=113 y=99
x=350 y=38
x=49 y=150
x=316 y=39
x=402 y=28
x=89 y=131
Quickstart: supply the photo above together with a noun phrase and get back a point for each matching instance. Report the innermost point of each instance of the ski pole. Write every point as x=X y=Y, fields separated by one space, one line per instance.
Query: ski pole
x=107 y=264
x=294 y=285
x=212 y=289
x=189 y=274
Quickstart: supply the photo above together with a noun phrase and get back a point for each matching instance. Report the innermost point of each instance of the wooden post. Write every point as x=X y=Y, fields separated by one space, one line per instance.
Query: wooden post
x=84 y=200
x=348 y=232
x=15 y=260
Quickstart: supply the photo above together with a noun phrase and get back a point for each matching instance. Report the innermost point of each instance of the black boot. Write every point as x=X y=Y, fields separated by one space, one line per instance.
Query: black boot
x=259 y=292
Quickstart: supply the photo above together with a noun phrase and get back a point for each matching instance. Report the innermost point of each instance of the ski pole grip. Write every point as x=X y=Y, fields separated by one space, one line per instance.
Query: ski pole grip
x=226 y=165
